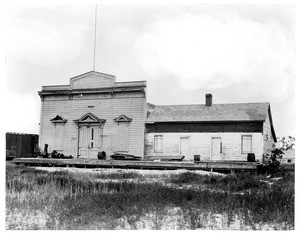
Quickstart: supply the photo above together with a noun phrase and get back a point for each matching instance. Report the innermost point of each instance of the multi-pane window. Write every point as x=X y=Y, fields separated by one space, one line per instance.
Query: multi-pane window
x=158 y=143
x=246 y=144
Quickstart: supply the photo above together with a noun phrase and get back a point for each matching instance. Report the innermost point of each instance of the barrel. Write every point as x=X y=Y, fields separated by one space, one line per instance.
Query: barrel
x=101 y=155
x=196 y=158
x=251 y=157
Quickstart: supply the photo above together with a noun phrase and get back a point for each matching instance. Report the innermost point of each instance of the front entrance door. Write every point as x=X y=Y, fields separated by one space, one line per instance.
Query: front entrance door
x=184 y=146
x=216 y=148
x=90 y=141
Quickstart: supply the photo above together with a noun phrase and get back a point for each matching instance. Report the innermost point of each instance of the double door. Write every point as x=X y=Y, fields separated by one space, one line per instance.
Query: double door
x=90 y=141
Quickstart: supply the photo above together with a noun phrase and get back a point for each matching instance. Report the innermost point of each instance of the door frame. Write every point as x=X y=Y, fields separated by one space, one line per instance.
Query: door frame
x=89 y=148
x=88 y=119
x=211 y=146
x=189 y=144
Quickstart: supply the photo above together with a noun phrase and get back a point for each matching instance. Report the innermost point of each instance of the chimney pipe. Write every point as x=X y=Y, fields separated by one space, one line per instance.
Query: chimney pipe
x=208 y=99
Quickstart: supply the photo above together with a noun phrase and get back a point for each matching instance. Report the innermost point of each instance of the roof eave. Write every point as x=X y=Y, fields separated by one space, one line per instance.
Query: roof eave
x=271 y=123
x=217 y=121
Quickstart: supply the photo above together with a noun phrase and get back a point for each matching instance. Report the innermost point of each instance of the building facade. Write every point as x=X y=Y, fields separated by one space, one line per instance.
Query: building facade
x=93 y=113
x=211 y=131
x=288 y=157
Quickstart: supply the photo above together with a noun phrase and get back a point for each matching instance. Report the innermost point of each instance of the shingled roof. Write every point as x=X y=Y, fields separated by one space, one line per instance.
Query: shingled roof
x=213 y=113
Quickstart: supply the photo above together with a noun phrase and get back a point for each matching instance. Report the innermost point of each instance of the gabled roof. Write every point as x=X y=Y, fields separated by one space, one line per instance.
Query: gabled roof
x=214 y=113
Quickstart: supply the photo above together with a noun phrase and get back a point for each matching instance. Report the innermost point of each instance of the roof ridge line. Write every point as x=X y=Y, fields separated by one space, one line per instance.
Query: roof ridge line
x=216 y=104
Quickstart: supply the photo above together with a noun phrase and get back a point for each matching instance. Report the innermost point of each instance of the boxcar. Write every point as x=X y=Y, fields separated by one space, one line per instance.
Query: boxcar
x=21 y=145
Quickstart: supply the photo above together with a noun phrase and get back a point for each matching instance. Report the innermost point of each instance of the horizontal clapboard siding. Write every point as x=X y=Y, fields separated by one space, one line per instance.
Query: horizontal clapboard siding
x=200 y=144
x=268 y=139
x=103 y=108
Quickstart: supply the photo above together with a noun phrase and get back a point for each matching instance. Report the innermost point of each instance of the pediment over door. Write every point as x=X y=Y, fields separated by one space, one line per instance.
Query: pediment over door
x=89 y=119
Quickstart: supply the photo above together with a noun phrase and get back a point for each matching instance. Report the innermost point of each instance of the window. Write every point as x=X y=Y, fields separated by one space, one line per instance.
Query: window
x=246 y=144
x=158 y=143
x=92 y=139
x=123 y=136
x=59 y=131
x=123 y=132
x=58 y=136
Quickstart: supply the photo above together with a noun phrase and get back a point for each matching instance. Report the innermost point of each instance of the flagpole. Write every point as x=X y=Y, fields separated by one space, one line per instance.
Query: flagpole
x=95 y=38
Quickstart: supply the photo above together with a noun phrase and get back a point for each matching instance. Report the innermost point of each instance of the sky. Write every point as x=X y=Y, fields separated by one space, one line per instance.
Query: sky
x=238 y=53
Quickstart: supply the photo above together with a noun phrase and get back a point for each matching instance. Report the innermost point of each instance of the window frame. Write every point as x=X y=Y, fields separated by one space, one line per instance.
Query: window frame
x=58 y=141
x=125 y=146
x=155 y=144
x=242 y=144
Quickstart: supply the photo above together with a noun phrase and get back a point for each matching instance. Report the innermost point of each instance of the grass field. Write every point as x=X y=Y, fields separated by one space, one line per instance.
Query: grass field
x=70 y=198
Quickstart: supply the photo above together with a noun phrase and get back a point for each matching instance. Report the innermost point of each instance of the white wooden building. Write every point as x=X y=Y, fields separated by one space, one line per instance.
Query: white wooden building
x=213 y=131
x=288 y=156
x=93 y=113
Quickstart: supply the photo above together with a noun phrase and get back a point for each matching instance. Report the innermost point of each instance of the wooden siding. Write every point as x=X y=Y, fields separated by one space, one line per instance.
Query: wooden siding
x=205 y=127
x=103 y=108
x=91 y=80
x=200 y=144
x=268 y=138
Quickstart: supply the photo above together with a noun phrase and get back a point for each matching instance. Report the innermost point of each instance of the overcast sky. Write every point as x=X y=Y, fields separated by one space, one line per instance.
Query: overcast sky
x=239 y=53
